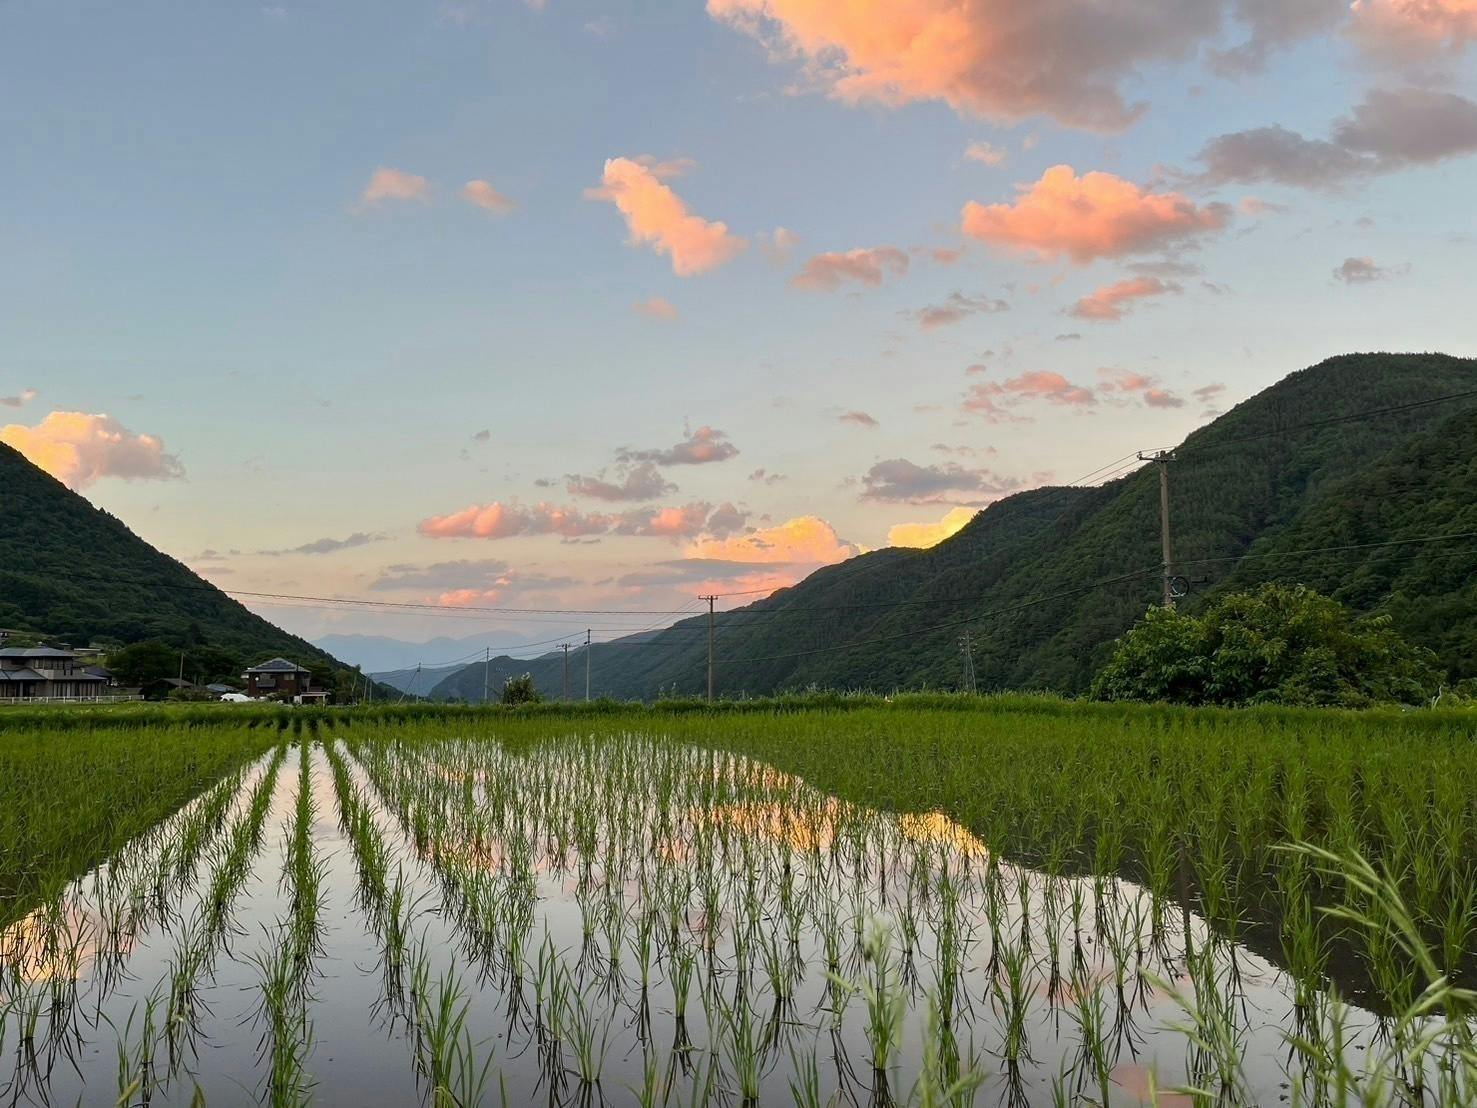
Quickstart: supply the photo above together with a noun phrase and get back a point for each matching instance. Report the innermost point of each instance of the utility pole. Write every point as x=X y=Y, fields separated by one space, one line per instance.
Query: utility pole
x=486 y=674
x=565 y=647
x=587 y=665
x=966 y=644
x=1162 y=458
x=710 y=600
x=181 y=665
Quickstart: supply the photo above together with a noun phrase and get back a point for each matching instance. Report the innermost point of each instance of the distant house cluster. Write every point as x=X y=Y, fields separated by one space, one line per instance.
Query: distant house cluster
x=59 y=674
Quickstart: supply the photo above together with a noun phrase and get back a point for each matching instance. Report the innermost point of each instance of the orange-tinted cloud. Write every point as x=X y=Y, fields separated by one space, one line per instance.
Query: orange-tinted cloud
x=865 y=266
x=78 y=448
x=657 y=307
x=807 y=540
x=1111 y=302
x=1001 y=59
x=656 y=216
x=1093 y=216
x=482 y=194
x=924 y=535
x=394 y=184
x=1414 y=30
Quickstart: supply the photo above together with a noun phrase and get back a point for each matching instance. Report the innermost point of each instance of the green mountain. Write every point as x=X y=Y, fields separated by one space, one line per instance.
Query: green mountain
x=1293 y=468
x=74 y=572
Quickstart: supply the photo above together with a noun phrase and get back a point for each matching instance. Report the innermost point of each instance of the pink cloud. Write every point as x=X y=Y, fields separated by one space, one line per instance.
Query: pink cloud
x=1414 y=30
x=865 y=266
x=657 y=307
x=985 y=154
x=502 y=521
x=1146 y=388
x=861 y=419
x=394 y=184
x=1111 y=302
x=656 y=216
x=1093 y=216
x=482 y=194
x=506 y=520
x=78 y=448
x=1001 y=59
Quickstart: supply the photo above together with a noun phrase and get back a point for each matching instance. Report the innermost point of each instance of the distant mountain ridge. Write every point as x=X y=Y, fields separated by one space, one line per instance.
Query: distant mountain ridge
x=1287 y=470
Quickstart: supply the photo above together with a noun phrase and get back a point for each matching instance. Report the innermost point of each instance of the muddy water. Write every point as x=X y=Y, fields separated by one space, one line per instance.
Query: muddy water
x=554 y=895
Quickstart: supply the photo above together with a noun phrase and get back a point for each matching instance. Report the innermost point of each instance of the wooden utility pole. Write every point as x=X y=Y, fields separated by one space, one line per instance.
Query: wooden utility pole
x=565 y=647
x=587 y=664
x=710 y=600
x=1162 y=458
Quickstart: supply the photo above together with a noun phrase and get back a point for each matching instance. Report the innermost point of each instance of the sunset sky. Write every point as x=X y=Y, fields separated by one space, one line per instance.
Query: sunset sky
x=604 y=304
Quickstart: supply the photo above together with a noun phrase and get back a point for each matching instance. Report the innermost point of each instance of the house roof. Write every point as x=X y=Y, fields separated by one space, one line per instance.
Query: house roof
x=278 y=665
x=98 y=671
x=20 y=675
x=219 y=688
x=34 y=652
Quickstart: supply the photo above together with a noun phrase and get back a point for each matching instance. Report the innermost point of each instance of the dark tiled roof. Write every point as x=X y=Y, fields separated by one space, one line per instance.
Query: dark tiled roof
x=20 y=675
x=278 y=665
x=34 y=652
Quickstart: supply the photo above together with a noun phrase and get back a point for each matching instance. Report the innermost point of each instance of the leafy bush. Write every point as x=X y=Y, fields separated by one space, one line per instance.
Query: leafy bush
x=521 y=690
x=1278 y=645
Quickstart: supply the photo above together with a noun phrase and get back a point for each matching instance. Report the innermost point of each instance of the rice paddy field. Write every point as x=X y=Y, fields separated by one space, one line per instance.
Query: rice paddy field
x=849 y=901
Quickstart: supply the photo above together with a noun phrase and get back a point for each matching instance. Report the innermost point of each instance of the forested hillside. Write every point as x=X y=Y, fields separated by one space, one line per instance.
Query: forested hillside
x=70 y=570
x=1284 y=471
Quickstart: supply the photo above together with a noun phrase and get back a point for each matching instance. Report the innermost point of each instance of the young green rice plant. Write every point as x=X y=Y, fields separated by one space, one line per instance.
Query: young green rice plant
x=446 y=1054
x=743 y=1048
x=586 y=1030
x=287 y=1035
x=1012 y=993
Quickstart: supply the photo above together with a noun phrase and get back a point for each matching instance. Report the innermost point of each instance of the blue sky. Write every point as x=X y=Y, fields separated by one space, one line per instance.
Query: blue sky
x=186 y=249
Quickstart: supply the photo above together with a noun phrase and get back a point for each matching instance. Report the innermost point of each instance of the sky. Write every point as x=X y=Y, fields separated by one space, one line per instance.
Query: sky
x=607 y=304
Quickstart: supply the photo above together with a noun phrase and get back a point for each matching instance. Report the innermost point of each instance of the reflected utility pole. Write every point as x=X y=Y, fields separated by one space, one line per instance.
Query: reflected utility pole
x=587 y=665
x=710 y=600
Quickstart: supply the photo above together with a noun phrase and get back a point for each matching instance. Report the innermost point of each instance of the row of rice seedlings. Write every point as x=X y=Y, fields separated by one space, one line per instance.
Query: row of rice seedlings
x=233 y=863
x=286 y=967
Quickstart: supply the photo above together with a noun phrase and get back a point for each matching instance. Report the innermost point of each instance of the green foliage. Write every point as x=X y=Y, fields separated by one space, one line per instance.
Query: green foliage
x=1277 y=645
x=520 y=690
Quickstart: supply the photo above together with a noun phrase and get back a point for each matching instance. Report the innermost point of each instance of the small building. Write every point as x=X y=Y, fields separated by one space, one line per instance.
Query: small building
x=277 y=677
x=48 y=673
x=220 y=689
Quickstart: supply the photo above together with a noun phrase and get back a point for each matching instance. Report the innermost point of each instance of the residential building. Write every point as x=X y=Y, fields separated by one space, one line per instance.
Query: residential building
x=49 y=673
x=277 y=677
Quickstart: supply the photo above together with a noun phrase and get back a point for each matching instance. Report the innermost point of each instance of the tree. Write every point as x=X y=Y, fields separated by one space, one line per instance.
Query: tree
x=1277 y=645
x=144 y=663
x=521 y=690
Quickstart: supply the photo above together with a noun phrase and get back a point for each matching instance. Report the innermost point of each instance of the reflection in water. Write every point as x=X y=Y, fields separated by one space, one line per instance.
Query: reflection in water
x=616 y=920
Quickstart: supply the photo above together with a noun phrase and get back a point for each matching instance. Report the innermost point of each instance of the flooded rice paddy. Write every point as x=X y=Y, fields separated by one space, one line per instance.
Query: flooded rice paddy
x=628 y=919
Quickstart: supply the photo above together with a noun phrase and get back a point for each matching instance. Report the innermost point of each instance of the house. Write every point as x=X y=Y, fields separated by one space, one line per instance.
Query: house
x=48 y=673
x=277 y=677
